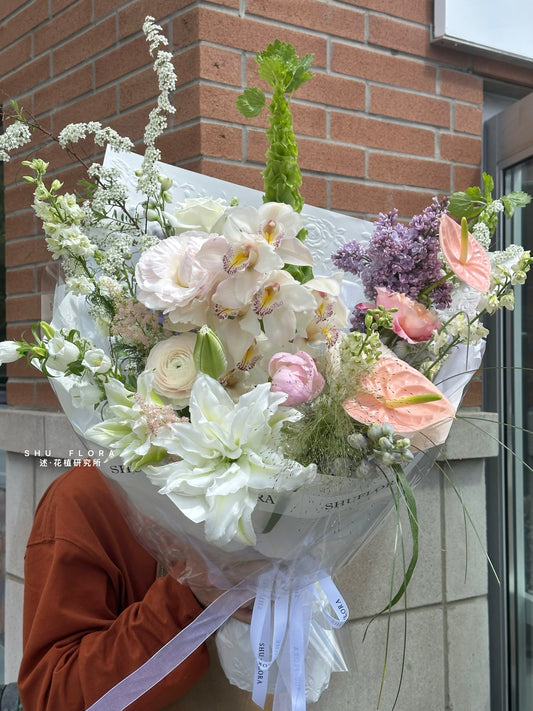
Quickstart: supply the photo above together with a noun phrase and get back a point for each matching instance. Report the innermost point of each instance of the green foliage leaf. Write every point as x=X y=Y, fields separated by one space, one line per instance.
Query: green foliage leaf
x=281 y=68
x=467 y=203
x=488 y=186
x=251 y=102
x=513 y=200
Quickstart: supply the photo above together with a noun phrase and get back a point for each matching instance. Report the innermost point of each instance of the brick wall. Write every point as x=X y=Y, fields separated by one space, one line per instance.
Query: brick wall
x=388 y=120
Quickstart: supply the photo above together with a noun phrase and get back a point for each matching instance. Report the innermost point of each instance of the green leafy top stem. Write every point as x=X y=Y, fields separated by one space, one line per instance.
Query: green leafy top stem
x=285 y=72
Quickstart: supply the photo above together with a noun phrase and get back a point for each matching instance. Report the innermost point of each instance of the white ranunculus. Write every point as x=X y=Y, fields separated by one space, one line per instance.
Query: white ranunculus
x=172 y=363
x=170 y=279
x=9 y=352
x=61 y=353
x=229 y=452
x=197 y=214
x=96 y=361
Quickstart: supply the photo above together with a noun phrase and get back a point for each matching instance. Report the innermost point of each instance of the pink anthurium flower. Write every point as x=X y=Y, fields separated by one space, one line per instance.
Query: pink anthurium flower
x=466 y=257
x=396 y=393
x=411 y=320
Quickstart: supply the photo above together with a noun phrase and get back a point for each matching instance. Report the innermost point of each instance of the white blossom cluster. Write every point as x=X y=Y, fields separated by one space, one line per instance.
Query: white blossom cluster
x=509 y=268
x=157 y=120
x=102 y=135
x=15 y=135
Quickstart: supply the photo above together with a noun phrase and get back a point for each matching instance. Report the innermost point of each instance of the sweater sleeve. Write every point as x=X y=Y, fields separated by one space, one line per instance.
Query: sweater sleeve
x=84 y=631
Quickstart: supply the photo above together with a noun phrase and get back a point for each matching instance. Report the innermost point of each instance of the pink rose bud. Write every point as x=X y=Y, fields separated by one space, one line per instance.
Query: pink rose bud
x=412 y=321
x=295 y=374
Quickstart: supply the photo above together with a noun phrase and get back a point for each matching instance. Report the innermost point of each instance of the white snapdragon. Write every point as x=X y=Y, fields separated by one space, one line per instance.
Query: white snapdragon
x=15 y=135
x=80 y=285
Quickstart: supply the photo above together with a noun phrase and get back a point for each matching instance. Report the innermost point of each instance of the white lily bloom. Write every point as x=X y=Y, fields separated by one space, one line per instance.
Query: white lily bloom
x=229 y=453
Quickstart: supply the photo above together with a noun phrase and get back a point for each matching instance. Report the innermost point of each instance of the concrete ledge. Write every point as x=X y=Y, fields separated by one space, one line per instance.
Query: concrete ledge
x=474 y=435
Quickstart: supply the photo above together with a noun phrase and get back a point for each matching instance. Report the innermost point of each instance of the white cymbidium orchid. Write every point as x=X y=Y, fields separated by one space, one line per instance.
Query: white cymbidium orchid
x=228 y=454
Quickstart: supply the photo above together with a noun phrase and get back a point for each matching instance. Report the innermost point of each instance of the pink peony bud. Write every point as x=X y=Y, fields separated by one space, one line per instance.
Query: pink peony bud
x=295 y=374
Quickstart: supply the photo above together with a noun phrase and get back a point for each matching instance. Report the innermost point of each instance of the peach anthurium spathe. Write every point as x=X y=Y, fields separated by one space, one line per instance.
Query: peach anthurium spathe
x=466 y=257
x=397 y=394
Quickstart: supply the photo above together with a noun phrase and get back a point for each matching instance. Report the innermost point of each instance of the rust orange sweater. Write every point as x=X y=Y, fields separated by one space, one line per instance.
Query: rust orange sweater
x=93 y=609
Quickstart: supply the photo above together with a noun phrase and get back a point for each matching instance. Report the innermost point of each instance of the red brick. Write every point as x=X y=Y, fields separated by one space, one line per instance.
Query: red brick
x=21 y=394
x=21 y=224
x=25 y=78
x=20 y=281
x=314 y=190
x=366 y=63
x=397 y=34
x=474 y=394
x=460 y=149
x=62 y=26
x=465 y=177
x=314 y=14
x=219 y=65
x=181 y=144
x=133 y=13
x=84 y=46
x=137 y=89
x=468 y=119
x=367 y=200
x=322 y=88
x=104 y=7
x=27 y=251
x=119 y=62
x=460 y=85
x=24 y=21
x=409 y=106
x=374 y=133
x=401 y=170
x=58 y=92
x=410 y=10
x=18 y=197
x=228 y=3
x=233 y=172
x=318 y=156
x=58 y=5
x=9 y=6
x=505 y=71
x=23 y=308
x=210 y=25
x=95 y=107
x=131 y=123
x=16 y=54
x=221 y=141
x=45 y=396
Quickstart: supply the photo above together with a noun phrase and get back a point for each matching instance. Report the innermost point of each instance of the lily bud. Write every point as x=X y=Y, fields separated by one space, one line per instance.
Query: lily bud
x=208 y=354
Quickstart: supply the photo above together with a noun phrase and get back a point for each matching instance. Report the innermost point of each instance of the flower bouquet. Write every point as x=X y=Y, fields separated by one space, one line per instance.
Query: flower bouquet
x=267 y=377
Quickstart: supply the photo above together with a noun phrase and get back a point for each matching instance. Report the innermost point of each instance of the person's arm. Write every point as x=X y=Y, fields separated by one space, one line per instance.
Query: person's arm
x=77 y=646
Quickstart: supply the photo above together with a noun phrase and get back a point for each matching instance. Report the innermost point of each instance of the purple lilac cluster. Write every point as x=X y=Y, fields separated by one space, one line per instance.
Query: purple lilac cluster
x=401 y=258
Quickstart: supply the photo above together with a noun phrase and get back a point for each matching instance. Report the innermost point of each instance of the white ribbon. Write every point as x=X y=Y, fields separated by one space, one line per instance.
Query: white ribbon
x=290 y=592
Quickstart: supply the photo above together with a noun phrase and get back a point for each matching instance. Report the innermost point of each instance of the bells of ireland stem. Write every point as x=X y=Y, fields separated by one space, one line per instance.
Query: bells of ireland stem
x=208 y=354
